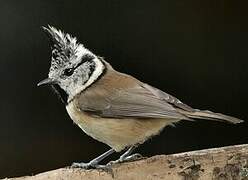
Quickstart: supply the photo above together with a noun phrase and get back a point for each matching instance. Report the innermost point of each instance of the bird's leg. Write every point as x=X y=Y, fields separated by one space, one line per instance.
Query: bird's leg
x=125 y=157
x=95 y=162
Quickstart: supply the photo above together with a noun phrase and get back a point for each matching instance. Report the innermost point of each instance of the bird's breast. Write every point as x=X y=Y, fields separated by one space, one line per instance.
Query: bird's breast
x=117 y=133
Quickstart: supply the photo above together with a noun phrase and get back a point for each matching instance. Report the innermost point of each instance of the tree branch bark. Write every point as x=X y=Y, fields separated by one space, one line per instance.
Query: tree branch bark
x=211 y=164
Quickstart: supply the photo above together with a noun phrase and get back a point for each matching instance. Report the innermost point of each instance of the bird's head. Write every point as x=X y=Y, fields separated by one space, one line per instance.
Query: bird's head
x=73 y=67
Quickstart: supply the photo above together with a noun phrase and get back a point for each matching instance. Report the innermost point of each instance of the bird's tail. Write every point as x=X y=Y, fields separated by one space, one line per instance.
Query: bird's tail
x=204 y=114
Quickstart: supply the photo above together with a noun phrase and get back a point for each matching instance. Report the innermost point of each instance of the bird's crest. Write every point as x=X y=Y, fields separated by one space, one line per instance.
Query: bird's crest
x=63 y=45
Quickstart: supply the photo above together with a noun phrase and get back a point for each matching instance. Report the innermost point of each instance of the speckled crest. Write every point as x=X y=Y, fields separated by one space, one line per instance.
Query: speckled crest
x=64 y=47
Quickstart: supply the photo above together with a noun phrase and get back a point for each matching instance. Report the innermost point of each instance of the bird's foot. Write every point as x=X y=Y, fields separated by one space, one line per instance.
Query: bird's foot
x=82 y=165
x=92 y=165
x=130 y=158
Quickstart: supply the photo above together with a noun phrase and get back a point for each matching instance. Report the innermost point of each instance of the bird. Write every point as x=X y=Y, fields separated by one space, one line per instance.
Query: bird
x=112 y=107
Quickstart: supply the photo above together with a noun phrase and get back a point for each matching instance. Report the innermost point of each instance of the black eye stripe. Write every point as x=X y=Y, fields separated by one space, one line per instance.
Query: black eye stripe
x=83 y=60
x=79 y=64
x=69 y=71
x=87 y=57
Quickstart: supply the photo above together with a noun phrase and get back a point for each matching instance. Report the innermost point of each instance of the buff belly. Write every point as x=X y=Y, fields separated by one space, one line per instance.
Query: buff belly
x=117 y=133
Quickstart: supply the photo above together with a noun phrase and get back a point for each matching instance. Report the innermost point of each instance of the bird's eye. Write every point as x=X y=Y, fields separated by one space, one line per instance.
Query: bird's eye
x=68 y=71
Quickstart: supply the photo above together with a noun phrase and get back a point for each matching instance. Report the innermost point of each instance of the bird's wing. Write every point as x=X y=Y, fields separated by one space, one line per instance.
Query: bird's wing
x=189 y=111
x=134 y=102
x=168 y=98
x=130 y=98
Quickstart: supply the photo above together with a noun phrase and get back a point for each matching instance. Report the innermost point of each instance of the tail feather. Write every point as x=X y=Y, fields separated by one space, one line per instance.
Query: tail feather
x=204 y=114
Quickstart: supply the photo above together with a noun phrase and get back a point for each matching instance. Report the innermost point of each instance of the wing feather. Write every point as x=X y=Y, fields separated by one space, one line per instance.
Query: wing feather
x=169 y=98
x=134 y=102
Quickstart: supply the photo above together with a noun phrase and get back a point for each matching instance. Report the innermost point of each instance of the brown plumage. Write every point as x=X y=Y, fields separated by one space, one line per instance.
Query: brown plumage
x=110 y=106
x=121 y=111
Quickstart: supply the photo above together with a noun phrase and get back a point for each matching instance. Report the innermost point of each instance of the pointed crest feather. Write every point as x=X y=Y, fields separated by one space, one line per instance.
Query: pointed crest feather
x=63 y=45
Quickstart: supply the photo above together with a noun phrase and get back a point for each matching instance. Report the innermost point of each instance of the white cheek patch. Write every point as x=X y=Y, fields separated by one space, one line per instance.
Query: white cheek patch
x=99 y=68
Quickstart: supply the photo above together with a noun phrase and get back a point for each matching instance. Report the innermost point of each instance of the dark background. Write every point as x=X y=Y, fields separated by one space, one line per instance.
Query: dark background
x=195 y=50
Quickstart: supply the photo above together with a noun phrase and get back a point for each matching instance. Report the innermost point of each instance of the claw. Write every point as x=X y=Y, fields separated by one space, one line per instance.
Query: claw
x=90 y=165
x=130 y=158
x=83 y=165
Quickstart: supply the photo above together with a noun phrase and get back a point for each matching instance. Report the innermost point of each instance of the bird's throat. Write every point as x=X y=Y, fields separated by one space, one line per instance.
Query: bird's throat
x=61 y=93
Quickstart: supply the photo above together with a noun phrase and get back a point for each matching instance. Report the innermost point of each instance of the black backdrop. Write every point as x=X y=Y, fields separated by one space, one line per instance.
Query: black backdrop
x=195 y=50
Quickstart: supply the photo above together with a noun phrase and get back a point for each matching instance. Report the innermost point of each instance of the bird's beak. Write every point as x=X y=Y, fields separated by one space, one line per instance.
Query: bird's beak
x=46 y=81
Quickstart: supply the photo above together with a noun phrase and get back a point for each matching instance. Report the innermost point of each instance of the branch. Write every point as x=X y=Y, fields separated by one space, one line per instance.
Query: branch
x=219 y=163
